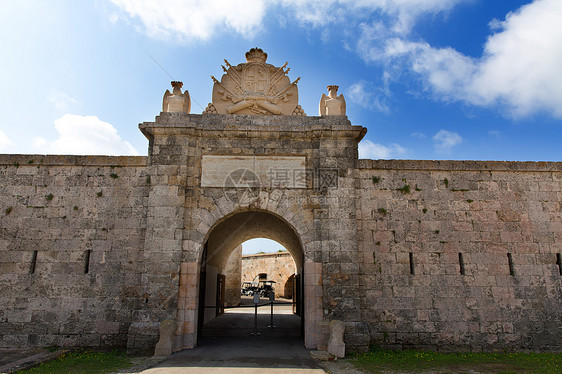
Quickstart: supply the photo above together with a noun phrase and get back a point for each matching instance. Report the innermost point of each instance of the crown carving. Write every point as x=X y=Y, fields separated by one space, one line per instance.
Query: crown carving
x=177 y=84
x=256 y=54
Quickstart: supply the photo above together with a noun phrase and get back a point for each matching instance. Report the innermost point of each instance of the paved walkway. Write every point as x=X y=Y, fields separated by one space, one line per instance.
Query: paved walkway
x=221 y=355
x=228 y=347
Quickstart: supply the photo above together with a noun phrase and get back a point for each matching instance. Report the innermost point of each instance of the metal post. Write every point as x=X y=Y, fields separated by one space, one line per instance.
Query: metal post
x=256 y=302
x=272 y=299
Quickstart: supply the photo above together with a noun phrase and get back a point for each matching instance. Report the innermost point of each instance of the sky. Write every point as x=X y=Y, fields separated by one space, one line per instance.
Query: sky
x=429 y=79
x=258 y=245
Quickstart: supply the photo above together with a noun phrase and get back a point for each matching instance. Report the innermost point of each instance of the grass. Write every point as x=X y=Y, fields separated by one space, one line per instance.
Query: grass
x=83 y=361
x=380 y=361
x=405 y=190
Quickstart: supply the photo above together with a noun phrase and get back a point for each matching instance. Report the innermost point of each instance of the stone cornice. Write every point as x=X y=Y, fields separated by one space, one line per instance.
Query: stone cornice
x=71 y=160
x=219 y=125
x=447 y=165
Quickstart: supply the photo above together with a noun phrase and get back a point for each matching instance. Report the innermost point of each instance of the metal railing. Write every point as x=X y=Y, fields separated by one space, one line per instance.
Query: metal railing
x=255 y=306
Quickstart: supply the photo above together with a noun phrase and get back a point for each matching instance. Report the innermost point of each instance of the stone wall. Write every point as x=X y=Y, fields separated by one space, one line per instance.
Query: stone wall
x=97 y=251
x=232 y=278
x=279 y=267
x=461 y=255
x=309 y=224
x=71 y=232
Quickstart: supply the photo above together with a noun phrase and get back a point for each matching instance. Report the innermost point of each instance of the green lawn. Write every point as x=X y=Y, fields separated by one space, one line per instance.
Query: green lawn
x=380 y=361
x=84 y=361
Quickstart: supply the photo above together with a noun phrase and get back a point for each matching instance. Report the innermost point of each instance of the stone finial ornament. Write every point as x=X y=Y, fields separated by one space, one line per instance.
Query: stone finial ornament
x=176 y=102
x=255 y=87
x=332 y=105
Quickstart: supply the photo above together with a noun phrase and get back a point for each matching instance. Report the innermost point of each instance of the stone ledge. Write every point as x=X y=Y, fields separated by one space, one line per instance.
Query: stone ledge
x=71 y=160
x=321 y=356
x=244 y=119
x=272 y=254
x=448 y=165
x=220 y=125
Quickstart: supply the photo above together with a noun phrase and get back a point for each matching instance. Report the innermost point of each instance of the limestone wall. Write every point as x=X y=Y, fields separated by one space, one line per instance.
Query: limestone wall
x=436 y=240
x=232 y=275
x=97 y=251
x=303 y=220
x=278 y=266
x=72 y=229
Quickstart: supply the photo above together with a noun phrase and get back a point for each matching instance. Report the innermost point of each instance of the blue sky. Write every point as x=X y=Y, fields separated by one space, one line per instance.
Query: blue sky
x=261 y=245
x=430 y=79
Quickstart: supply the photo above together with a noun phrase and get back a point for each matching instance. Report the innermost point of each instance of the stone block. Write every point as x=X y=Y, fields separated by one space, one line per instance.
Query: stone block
x=336 y=345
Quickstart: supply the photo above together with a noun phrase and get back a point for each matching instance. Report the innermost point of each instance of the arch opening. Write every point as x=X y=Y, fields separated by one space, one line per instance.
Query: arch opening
x=224 y=309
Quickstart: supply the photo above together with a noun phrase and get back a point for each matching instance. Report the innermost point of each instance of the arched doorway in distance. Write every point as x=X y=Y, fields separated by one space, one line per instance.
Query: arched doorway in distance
x=215 y=317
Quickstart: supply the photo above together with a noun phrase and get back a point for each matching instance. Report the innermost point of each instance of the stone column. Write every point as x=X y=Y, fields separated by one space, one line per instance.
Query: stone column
x=312 y=302
x=186 y=332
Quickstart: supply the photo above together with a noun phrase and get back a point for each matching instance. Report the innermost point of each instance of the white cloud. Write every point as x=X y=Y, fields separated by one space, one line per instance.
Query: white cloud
x=4 y=140
x=369 y=96
x=200 y=19
x=444 y=141
x=84 y=135
x=419 y=135
x=60 y=100
x=399 y=15
x=370 y=150
x=519 y=70
x=186 y=20
x=521 y=64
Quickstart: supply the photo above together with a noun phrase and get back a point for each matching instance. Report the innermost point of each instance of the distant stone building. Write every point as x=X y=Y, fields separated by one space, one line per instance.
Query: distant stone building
x=98 y=251
x=278 y=267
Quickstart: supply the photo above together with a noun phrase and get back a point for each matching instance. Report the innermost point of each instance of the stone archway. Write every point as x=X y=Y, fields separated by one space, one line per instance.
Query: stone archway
x=224 y=237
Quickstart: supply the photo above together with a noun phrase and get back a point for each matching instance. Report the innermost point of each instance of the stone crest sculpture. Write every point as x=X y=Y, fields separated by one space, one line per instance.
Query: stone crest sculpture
x=255 y=87
x=176 y=101
x=332 y=105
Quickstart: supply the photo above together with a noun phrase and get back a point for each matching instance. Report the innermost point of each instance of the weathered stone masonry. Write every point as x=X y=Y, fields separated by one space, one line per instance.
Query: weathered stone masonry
x=457 y=221
x=72 y=230
x=119 y=240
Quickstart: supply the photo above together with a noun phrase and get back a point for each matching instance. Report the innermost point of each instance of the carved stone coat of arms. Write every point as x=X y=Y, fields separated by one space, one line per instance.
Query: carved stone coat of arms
x=255 y=87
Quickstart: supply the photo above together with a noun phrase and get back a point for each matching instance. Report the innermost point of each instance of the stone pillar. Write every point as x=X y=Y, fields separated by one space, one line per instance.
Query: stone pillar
x=312 y=302
x=186 y=332
x=161 y=257
x=233 y=274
